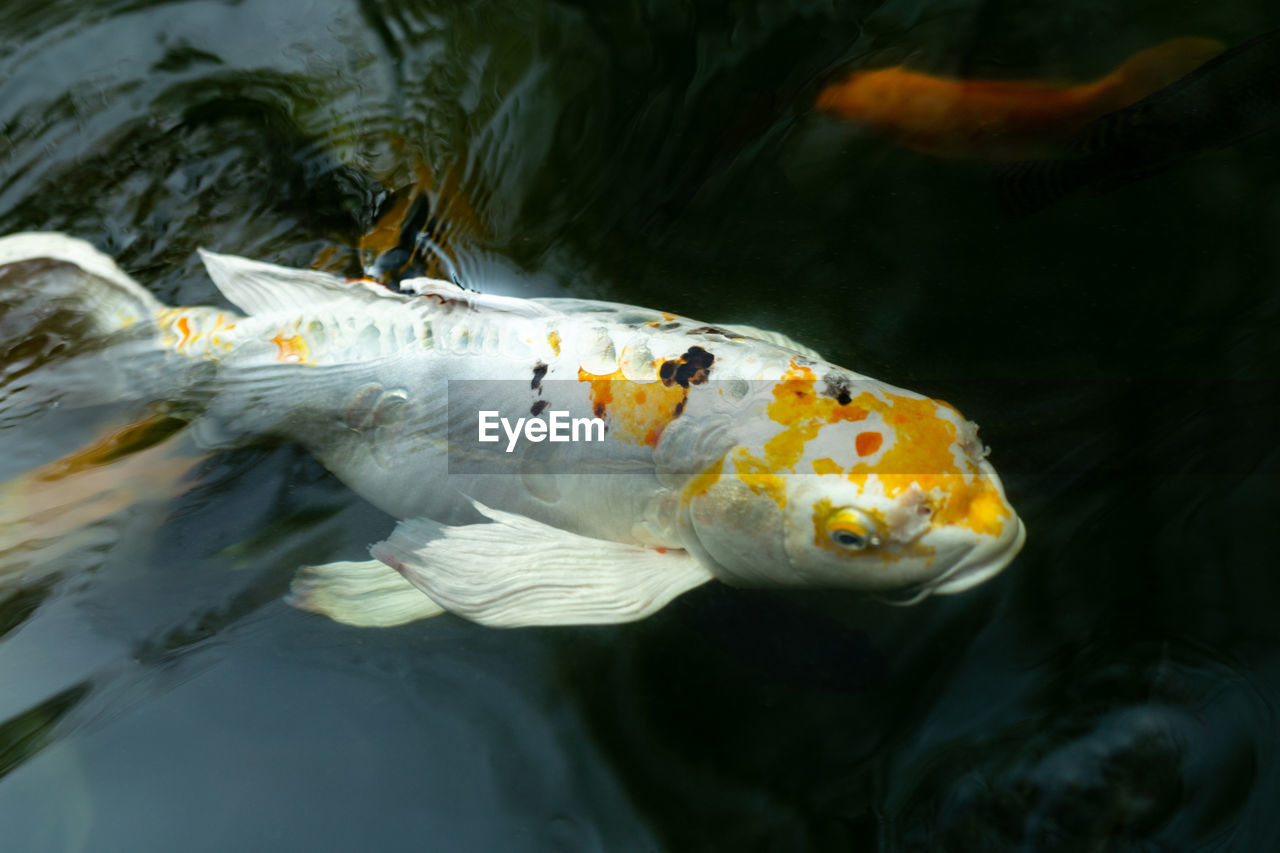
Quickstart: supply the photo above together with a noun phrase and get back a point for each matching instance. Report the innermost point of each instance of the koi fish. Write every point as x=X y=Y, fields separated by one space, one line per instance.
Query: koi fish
x=1001 y=119
x=728 y=453
x=68 y=504
x=416 y=235
x=1231 y=98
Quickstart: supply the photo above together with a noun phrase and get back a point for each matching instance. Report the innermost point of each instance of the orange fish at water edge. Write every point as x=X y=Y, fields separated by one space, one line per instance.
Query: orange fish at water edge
x=1001 y=119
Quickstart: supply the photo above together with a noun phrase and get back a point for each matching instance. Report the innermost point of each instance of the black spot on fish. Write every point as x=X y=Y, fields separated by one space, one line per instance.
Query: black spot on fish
x=837 y=387
x=539 y=371
x=693 y=368
x=666 y=327
x=680 y=408
x=537 y=407
x=598 y=410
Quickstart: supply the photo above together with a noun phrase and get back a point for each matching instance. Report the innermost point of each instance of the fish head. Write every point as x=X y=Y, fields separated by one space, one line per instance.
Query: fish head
x=850 y=483
x=884 y=98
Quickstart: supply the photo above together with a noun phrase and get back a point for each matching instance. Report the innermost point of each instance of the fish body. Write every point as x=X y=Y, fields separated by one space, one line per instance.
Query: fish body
x=1000 y=119
x=1229 y=99
x=724 y=453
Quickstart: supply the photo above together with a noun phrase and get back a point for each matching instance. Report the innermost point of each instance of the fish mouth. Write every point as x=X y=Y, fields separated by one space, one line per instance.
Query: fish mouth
x=981 y=564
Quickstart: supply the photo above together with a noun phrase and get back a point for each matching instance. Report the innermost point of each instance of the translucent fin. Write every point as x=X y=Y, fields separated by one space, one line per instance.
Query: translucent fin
x=1156 y=67
x=57 y=269
x=775 y=338
x=261 y=288
x=260 y=399
x=1029 y=186
x=76 y=331
x=367 y=594
x=515 y=572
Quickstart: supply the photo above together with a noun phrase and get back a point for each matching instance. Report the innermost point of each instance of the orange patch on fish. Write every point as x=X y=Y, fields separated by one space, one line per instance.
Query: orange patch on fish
x=867 y=443
x=1001 y=119
x=554 y=339
x=704 y=480
x=759 y=477
x=826 y=465
x=635 y=412
x=921 y=452
x=188 y=329
x=797 y=406
x=293 y=349
x=184 y=326
x=987 y=514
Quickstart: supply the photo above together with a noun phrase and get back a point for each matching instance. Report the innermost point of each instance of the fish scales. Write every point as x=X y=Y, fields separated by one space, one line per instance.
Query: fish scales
x=398 y=465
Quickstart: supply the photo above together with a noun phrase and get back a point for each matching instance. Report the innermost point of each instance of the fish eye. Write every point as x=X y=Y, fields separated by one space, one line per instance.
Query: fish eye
x=847 y=528
x=848 y=539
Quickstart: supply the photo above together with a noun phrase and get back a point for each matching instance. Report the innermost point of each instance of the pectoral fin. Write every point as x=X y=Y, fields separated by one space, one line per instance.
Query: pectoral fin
x=514 y=572
x=368 y=594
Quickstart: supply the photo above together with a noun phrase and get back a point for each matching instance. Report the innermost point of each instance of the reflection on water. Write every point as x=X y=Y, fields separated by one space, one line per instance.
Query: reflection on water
x=1114 y=690
x=29 y=732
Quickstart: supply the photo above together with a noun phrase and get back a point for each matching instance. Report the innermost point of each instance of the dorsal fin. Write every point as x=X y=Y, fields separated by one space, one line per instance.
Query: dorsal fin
x=448 y=292
x=256 y=287
x=775 y=338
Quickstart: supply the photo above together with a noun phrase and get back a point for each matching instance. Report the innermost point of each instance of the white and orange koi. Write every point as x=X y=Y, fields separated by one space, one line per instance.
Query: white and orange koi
x=730 y=453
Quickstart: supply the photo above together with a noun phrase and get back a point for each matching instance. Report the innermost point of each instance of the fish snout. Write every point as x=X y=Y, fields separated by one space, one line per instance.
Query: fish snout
x=988 y=556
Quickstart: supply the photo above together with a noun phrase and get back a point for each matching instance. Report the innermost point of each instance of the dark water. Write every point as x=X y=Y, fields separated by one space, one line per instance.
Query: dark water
x=1114 y=690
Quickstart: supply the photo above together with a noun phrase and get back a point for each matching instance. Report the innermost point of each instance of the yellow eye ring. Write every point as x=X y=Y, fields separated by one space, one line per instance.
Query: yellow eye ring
x=844 y=528
x=852 y=531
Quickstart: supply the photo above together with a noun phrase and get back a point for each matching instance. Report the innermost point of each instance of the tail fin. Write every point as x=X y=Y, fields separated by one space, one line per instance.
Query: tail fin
x=66 y=306
x=1150 y=70
x=63 y=271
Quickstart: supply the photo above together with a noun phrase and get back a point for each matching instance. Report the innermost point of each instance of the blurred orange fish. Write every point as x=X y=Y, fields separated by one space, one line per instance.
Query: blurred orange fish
x=1002 y=119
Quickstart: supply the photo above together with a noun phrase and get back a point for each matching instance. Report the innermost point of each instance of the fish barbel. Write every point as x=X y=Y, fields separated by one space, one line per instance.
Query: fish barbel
x=725 y=452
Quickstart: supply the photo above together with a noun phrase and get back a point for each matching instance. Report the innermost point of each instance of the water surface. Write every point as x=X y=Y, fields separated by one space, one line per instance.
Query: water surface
x=1113 y=690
